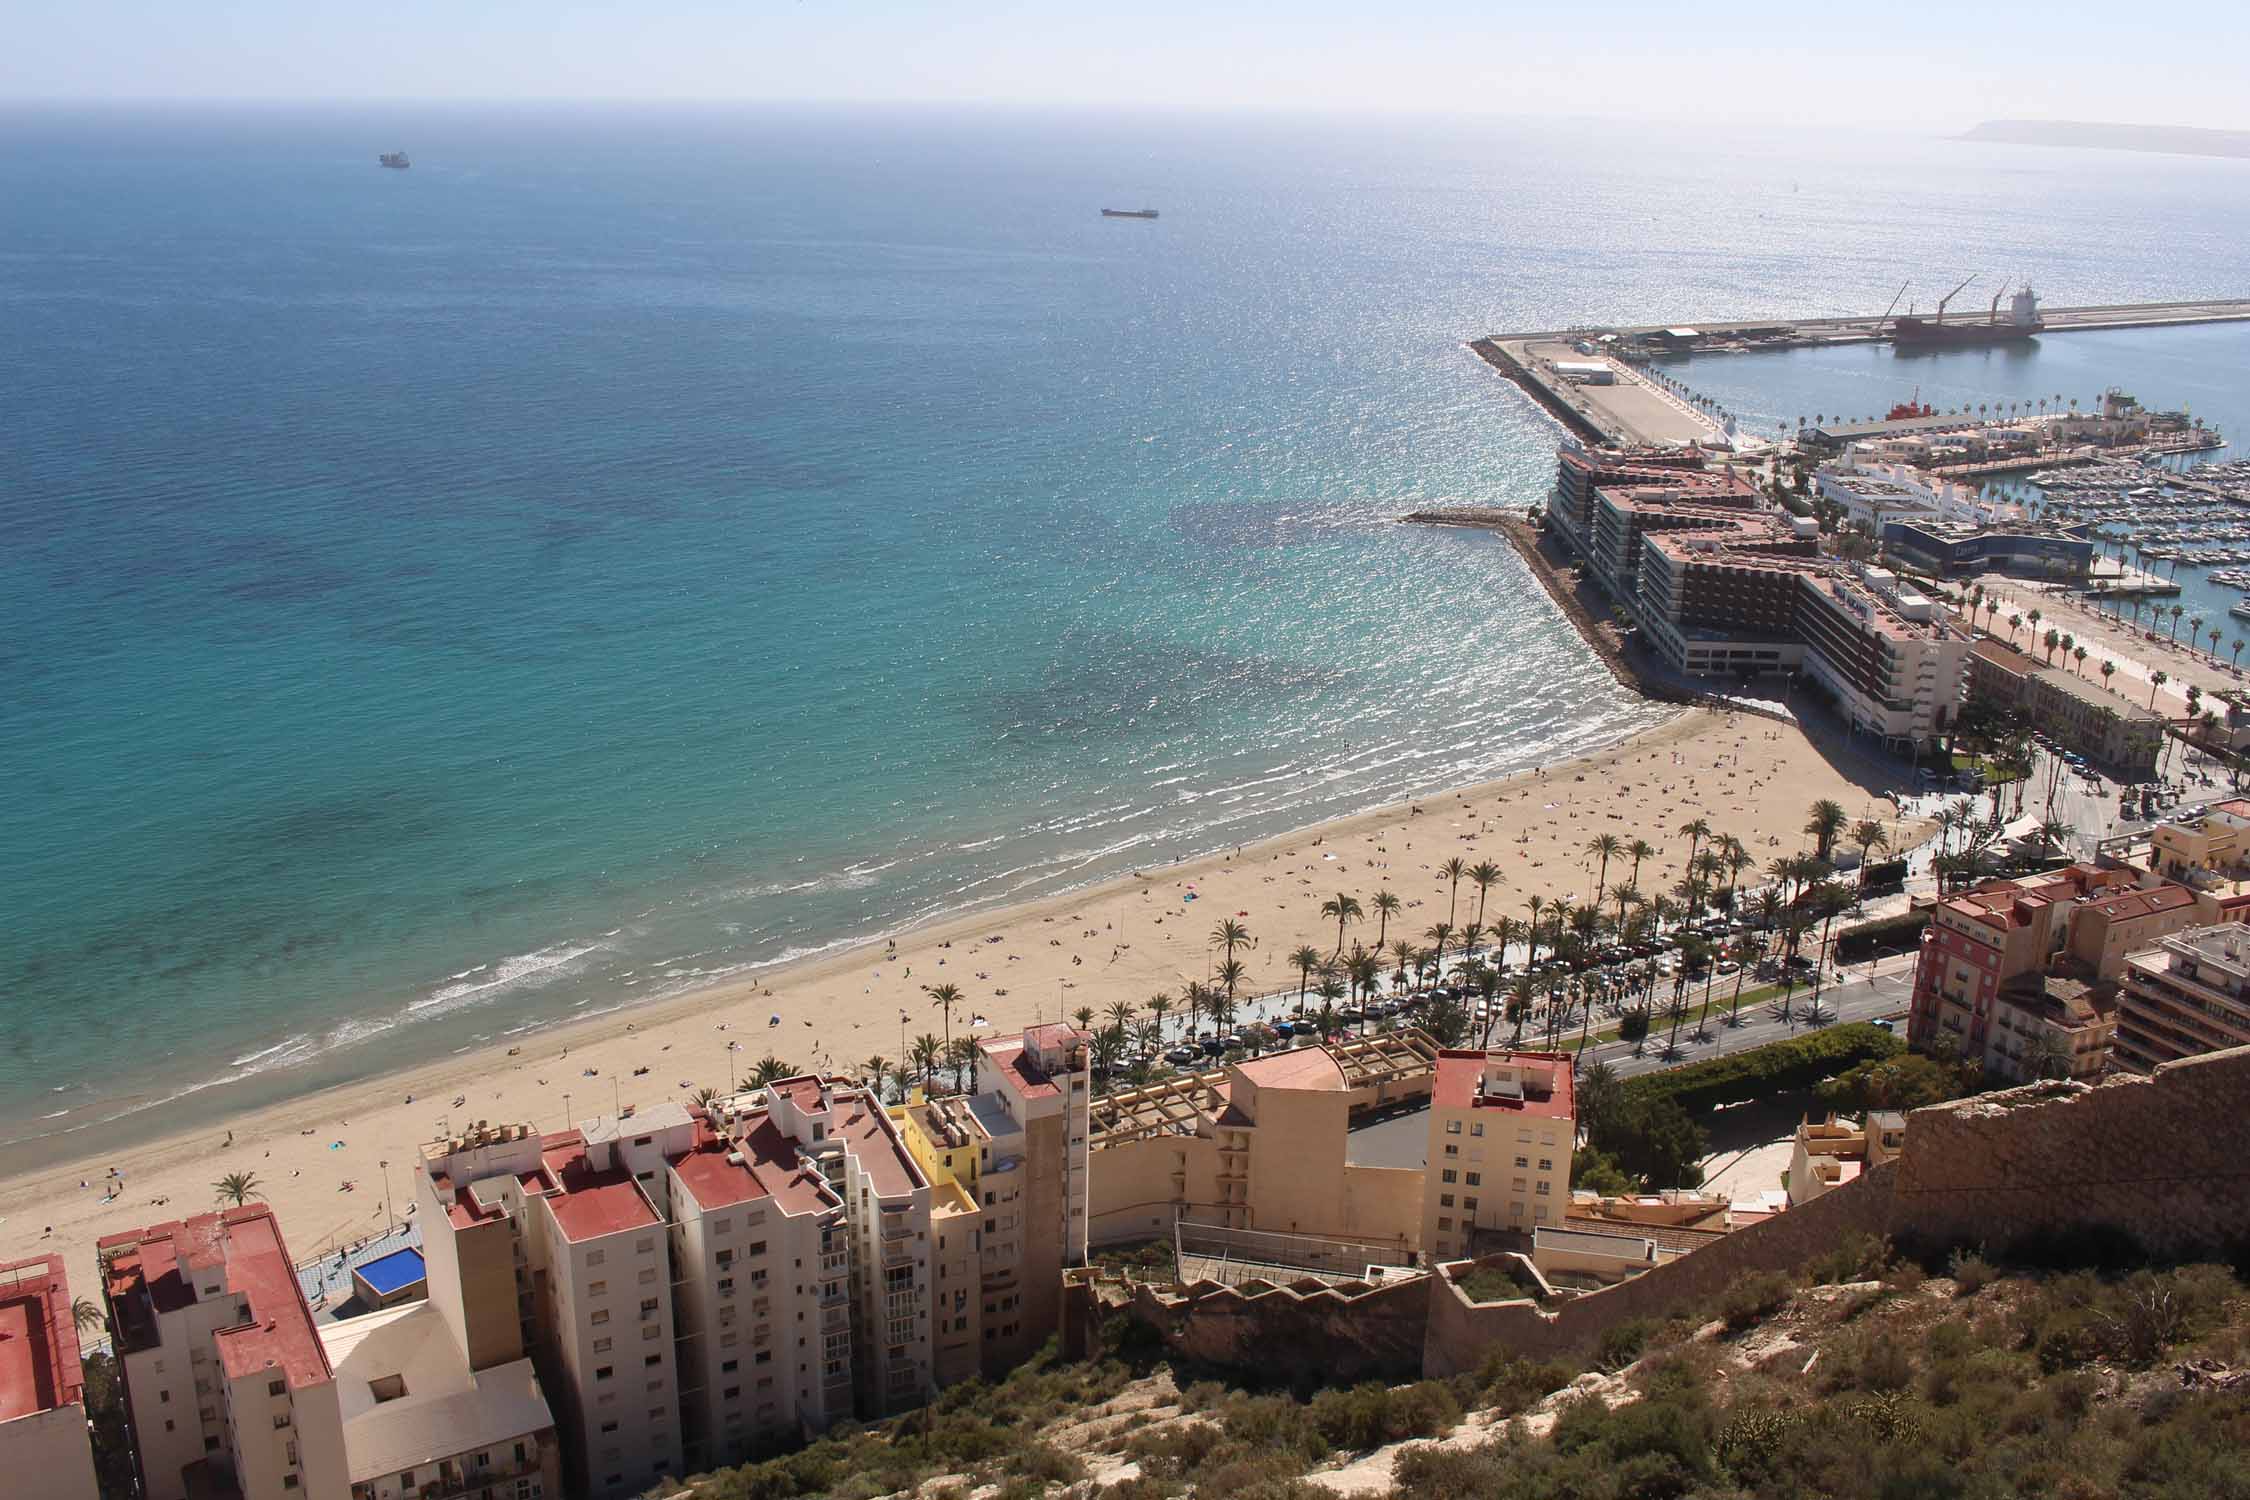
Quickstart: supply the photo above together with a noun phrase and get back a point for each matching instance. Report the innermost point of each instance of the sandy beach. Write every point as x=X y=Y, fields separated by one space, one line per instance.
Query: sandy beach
x=318 y=1158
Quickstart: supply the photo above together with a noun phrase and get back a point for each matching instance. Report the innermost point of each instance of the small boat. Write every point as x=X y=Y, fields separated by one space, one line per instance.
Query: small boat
x=393 y=159
x=2241 y=611
x=1128 y=213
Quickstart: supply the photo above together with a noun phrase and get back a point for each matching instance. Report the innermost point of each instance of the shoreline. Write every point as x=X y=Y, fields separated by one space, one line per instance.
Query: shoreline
x=319 y=1155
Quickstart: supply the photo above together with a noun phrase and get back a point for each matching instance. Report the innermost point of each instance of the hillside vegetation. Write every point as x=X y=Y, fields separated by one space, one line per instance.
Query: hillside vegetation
x=1862 y=1377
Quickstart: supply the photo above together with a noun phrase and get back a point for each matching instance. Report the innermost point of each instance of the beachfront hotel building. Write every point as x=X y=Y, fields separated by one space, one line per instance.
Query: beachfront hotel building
x=693 y=1282
x=42 y=1385
x=1502 y=1127
x=2120 y=733
x=1007 y=1166
x=228 y=1387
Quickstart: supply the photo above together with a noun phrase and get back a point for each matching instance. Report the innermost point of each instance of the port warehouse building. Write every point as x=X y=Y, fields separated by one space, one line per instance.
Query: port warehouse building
x=1948 y=550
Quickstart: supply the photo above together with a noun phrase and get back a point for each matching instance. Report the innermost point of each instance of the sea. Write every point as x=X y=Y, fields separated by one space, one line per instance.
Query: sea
x=639 y=546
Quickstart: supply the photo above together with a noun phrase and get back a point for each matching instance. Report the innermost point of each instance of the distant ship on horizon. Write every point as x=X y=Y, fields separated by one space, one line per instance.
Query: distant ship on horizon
x=393 y=159
x=1128 y=213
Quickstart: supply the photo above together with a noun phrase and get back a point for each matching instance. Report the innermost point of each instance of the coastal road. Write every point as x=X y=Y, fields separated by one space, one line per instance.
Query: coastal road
x=1401 y=1140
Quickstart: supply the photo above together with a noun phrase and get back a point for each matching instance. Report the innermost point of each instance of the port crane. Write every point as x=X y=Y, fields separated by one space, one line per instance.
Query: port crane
x=1886 y=317
x=1939 y=316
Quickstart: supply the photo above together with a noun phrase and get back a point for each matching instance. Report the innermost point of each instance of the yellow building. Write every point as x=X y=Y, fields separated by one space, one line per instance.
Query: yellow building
x=1502 y=1127
x=1260 y=1145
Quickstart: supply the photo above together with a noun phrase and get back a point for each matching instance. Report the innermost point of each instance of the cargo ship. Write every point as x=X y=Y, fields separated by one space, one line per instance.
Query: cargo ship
x=2022 y=322
x=393 y=159
x=1128 y=213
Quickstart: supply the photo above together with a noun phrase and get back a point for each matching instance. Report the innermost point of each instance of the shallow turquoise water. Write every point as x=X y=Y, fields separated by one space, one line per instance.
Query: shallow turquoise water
x=636 y=545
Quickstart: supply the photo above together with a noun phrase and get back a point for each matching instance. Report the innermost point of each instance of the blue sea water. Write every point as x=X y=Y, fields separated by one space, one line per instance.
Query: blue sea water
x=635 y=545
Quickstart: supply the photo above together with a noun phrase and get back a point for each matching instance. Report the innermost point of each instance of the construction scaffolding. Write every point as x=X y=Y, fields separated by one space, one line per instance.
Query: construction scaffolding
x=1230 y=1256
x=1386 y=1064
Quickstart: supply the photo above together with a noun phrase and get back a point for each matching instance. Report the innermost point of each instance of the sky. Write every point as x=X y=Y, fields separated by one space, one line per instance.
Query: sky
x=1919 y=63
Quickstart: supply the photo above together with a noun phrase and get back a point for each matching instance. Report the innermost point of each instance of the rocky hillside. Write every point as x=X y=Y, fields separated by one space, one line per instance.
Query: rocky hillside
x=1860 y=1378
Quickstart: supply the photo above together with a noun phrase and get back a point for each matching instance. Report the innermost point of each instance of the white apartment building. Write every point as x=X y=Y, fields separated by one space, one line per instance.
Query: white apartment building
x=227 y=1385
x=42 y=1383
x=418 y=1420
x=694 y=1283
x=1872 y=493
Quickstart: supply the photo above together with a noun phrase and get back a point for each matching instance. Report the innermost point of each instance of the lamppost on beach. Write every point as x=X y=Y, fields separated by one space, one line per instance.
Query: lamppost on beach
x=566 y=1109
x=390 y=1220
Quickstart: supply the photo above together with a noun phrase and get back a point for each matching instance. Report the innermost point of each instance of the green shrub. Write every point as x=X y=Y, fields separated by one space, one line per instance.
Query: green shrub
x=1858 y=1256
x=1509 y=1383
x=1619 y=1346
x=1754 y=1298
x=1777 y=1067
x=1971 y=1273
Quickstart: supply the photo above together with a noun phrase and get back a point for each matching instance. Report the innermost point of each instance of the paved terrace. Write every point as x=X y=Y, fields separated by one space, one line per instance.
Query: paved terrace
x=1172 y=1106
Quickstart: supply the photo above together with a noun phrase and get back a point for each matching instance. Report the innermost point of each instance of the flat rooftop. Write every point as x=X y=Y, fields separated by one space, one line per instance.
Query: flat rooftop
x=590 y=1204
x=39 y=1363
x=1546 y=1091
x=1630 y=409
x=149 y=1272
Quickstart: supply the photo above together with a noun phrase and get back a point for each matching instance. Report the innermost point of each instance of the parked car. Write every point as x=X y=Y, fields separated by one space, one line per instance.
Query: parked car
x=1180 y=1057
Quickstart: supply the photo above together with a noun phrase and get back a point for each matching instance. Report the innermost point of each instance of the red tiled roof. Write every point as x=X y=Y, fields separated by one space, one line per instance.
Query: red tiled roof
x=2143 y=903
x=1053 y=1034
x=713 y=1181
x=867 y=1132
x=39 y=1368
x=247 y=1241
x=772 y=1156
x=1009 y=1057
x=1460 y=1076
x=802 y=1092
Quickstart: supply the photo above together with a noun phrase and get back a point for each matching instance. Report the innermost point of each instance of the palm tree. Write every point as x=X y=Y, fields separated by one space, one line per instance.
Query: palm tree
x=1231 y=974
x=1159 y=1006
x=1453 y=869
x=1304 y=960
x=86 y=1315
x=2215 y=644
x=2051 y=640
x=1439 y=934
x=1695 y=833
x=1827 y=821
x=1386 y=907
x=1192 y=1004
x=768 y=1070
x=945 y=997
x=2175 y=612
x=1344 y=909
x=1084 y=1016
x=1403 y=952
x=2155 y=681
x=236 y=1188
x=1868 y=834
x=1605 y=847
x=1623 y=893
x=1639 y=849
x=1230 y=935
x=707 y=1095
x=2035 y=617
x=1531 y=929
x=2236 y=646
x=2078 y=655
x=2015 y=623
x=927 y=1050
x=1484 y=875
x=961 y=1057
x=1737 y=859
x=2109 y=669
x=1120 y=1013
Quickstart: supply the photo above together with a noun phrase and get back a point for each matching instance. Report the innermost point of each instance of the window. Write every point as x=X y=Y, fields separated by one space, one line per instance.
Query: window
x=382 y=1388
x=596 y=1257
x=276 y=1387
x=652 y=1361
x=648 y=1305
x=645 y=1244
x=727 y=1367
x=288 y=1481
x=1453 y=1127
x=1444 y=1222
x=603 y=1372
x=601 y=1316
x=1448 y=1175
x=597 y=1288
x=1522 y=1162
x=648 y=1277
x=1445 y=1200
x=1544 y=1185
x=1475 y=1178
x=1477 y=1128
x=757 y=1247
x=1546 y=1164
x=609 y=1426
x=1469 y=1205
x=601 y=1346
x=731 y=1393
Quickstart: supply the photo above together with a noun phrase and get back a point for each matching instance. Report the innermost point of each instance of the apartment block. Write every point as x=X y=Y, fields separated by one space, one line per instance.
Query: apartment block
x=1264 y=1145
x=2021 y=977
x=227 y=1385
x=1008 y=1171
x=1830 y=1152
x=42 y=1396
x=2082 y=714
x=419 y=1422
x=693 y=1282
x=2188 y=996
x=1502 y=1127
